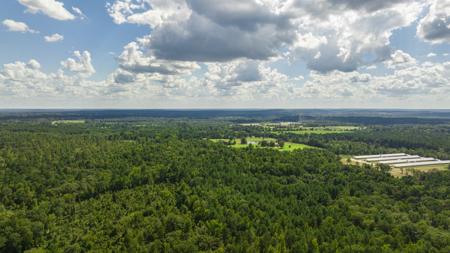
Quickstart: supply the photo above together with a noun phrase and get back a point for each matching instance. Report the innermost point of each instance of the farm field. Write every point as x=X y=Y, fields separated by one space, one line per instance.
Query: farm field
x=316 y=130
x=60 y=122
x=288 y=146
x=399 y=172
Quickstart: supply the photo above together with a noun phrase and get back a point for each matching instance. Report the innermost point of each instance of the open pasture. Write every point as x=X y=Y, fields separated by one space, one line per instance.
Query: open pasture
x=400 y=172
x=256 y=142
x=61 y=122
x=301 y=130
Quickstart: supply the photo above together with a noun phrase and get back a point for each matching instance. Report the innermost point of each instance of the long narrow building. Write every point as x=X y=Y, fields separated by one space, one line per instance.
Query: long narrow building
x=406 y=165
x=399 y=160
x=405 y=157
x=377 y=156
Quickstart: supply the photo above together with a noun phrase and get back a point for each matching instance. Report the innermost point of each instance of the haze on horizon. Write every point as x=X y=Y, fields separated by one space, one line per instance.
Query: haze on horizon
x=225 y=54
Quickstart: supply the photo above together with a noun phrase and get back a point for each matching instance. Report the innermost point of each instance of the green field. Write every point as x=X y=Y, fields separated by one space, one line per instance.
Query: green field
x=297 y=128
x=399 y=172
x=60 y=122
x=316 y=130
x=288 y=146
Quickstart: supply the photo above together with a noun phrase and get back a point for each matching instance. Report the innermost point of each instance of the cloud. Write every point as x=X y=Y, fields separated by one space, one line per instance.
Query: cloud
x=200 y=39
x=435 y=26
x=28 y=80
x=247 y=79
x=236 y=51
x=145 y=12
x=224 y=76
x=244 y=15
x=400 y=59
x=23 y=79
x=431 y=55
x=15 y=26
x=414 y=80
x=54 y=38
x=20 y=70
x=326 y=34
x=51 y=8
x=228 y=34
x=324 y=8
x=344 y=35
x=123 y=77
x=249 y=72
x=136 y=58
x=79 y=13
x=335 y=84
x=425 y=79
x=236 y=83
x=187 y=31
x=81 y=65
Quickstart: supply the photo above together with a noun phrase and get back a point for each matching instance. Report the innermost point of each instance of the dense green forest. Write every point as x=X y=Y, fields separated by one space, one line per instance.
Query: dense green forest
x=161 y=186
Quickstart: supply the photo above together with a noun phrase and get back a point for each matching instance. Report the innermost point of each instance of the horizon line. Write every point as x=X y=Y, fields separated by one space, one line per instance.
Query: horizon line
x=214 y=108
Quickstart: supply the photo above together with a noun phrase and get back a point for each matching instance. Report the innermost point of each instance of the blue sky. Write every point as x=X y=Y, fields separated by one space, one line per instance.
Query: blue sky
x=96 y=33
x=199 y=53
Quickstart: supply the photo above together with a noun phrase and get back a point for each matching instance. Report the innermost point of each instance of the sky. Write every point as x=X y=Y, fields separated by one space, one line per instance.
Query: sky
x=225 y=54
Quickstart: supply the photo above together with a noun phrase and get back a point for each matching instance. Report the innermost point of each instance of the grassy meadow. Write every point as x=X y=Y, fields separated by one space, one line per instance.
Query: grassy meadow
x=316 y=130
x=255 y=141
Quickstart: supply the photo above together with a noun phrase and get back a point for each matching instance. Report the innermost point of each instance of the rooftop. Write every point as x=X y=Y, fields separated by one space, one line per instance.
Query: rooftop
x=399 y=160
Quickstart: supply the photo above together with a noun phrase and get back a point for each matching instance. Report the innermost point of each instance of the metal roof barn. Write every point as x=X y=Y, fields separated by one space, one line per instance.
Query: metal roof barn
x=392 y=158
x=426 y=159
x=378 y=156
x=406 y=165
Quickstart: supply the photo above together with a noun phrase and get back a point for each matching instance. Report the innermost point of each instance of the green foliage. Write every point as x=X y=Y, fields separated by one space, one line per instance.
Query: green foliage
x=158 y=187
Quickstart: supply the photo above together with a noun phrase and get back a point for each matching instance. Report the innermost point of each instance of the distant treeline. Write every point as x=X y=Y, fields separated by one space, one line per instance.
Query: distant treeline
x=361 y=117
x=365 y=120
x=118 y=114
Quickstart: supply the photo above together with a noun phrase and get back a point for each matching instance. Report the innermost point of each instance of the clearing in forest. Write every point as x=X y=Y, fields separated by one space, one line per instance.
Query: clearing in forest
x=60 y=122
x=397 y=171
x=317 y=130
x=261 y=142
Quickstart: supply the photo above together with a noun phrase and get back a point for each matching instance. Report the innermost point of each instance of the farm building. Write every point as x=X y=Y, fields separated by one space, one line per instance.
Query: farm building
x=399 y=160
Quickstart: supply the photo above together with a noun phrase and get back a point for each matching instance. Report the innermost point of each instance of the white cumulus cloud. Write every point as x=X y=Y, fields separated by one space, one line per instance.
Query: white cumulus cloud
x=400 y=59
x=79 y=13
x=54 y=38
x=326 y=34
x=52 y=8
x=16 y=26
x=80 y=65
x=435 y=26
x=137 y=59
x=238 y=51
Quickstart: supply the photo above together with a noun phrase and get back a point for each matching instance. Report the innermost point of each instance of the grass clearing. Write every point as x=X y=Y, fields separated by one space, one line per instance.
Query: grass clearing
x=60 y=122
x=316 y=130
x=290 y=146
x=255 y=142
x=313 y=131
x=401 y=172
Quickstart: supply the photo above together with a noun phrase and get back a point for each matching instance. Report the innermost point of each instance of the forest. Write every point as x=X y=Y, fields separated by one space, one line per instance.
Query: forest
x=160 y=185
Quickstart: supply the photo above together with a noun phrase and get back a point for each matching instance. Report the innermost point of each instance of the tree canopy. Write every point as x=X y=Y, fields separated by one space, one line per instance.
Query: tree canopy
x=163 y=187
